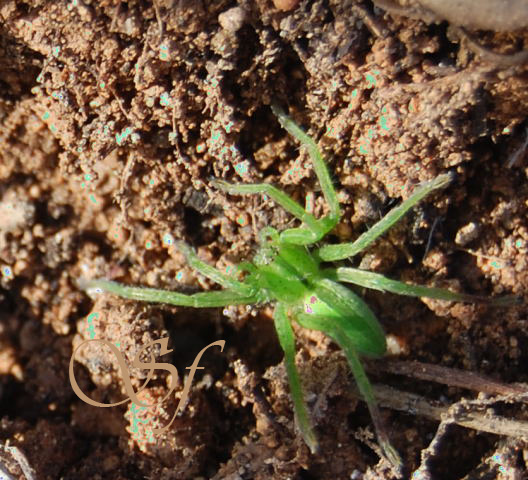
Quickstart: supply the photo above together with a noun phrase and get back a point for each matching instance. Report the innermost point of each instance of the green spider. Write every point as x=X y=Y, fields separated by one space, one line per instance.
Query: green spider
x=287 y=270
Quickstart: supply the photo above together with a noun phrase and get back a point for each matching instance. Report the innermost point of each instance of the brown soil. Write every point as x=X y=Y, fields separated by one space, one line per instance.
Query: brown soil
x=114 y=116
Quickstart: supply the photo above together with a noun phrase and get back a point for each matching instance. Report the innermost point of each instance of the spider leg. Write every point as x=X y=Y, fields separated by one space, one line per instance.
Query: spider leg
x=301 y=236
x=287 y=342
x=329 y=327
x=321 y=170
x=212 y=273
x=314 y=229
x=377 y=281
x=275 y=194
x=220 y=298
x=340 y=251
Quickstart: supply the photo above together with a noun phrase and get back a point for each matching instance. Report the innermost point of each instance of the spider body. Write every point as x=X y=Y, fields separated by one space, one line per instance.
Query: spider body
x=280 y=275
x=289 y=269
x=291 y=275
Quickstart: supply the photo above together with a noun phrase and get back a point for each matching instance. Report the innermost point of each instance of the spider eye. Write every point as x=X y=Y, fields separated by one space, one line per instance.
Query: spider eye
x=265 y=256
x=268 y=236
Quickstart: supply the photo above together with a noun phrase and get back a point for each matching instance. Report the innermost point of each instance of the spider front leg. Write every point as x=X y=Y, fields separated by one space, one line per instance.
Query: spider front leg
x=320 y=167
x=222 y=298
x=236 y=293
x=212 y=273
x=314 y=229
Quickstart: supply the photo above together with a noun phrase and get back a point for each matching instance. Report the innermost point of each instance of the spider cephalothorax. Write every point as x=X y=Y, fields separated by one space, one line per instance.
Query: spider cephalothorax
x=289 y=270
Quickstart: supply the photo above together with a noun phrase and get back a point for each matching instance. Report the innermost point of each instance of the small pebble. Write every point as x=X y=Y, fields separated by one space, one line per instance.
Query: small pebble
x=285 y=5
x=467 y=234
x=233 y=19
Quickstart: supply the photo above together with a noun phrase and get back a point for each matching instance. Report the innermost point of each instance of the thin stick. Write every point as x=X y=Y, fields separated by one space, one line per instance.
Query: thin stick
x=416 y=405
x=20 y=459
x=450 y=376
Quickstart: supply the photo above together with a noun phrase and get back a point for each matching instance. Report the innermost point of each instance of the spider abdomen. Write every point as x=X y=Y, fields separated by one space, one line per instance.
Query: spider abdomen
x=334 y=306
